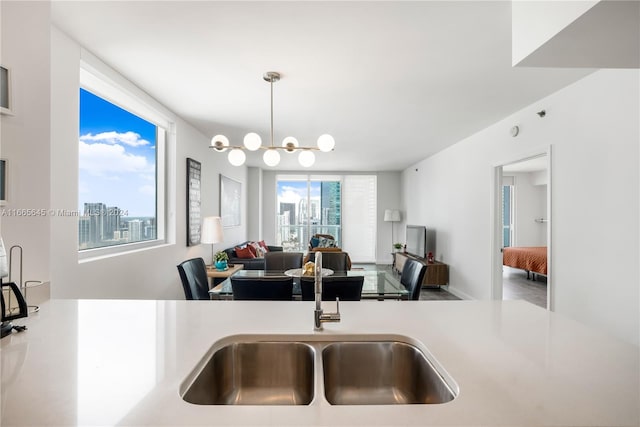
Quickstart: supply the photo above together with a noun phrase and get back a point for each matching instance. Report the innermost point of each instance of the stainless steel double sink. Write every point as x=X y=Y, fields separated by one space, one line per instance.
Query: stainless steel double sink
x=285 y=370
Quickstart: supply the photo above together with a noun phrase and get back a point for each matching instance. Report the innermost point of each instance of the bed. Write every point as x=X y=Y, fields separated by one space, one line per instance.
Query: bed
x=530 y=259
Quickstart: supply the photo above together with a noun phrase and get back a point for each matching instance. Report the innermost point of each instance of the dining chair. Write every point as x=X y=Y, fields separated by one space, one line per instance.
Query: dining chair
x=262 y=288
x=348 y=288
x=282 y=261
x=193 y=274
x=337 y=261
x=412 y=275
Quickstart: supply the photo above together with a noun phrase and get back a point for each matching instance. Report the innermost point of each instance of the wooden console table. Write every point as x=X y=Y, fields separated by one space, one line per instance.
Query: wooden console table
x=437 y=272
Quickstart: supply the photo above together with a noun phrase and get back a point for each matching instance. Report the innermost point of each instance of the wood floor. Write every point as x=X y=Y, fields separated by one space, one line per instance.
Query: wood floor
x=516 y=286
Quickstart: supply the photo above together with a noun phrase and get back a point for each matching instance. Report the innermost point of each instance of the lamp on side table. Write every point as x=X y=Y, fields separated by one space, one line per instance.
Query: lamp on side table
x=212 y=232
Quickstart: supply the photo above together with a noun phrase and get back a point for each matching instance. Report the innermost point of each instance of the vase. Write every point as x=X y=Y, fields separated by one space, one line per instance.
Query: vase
x=221 y=265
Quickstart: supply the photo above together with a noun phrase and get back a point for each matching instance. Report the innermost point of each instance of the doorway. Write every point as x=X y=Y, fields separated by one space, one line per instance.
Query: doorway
x=522 y=230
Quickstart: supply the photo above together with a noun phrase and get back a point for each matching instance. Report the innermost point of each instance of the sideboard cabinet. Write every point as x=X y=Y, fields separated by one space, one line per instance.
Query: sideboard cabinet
x=437 y=272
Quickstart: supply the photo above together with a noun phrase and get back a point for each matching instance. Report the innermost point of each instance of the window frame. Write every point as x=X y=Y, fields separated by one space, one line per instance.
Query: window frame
x=97 y=78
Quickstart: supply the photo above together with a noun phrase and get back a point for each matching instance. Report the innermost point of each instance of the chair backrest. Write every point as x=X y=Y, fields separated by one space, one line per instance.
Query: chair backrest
x=262 y=288
x=347 y=288
x=193 y=274
x=337 y=261
x=412 y=275
x=282 y=261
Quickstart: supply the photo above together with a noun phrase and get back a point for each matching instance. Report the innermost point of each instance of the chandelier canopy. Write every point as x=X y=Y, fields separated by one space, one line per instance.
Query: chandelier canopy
x=271 y=156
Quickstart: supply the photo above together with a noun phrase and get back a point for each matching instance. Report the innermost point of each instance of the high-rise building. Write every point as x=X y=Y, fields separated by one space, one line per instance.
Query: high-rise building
x=83 y=232
x=111 y=222
x=330 y=201
x=291 y=208
x=135 y=230
x=95 y=212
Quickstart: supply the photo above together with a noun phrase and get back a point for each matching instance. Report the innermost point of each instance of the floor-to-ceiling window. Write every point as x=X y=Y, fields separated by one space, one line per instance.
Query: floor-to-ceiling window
x=307 y=205
x=344 y=206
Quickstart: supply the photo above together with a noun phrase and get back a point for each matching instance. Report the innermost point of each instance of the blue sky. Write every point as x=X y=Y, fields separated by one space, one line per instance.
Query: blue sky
x=117 y=155
x=292 y=191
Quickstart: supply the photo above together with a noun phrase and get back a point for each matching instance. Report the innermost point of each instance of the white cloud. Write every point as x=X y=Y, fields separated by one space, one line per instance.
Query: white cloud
x=110 y=160
x=131 y=139
x=148 y=190
x=291 y=195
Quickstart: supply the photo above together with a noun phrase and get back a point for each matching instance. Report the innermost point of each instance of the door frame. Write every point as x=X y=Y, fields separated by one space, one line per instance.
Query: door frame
x=496 y=208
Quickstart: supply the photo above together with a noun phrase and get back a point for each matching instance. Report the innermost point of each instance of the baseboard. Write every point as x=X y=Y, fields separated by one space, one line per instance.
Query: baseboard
x=458 y=293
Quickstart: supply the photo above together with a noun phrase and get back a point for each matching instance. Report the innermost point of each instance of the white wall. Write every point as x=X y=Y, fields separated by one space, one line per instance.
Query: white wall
x=389 y=197
x=24 y=138
x=148 y=274
x=593 y=129
x=530 y=203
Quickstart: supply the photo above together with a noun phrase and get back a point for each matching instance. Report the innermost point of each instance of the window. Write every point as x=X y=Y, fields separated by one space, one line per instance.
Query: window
x=342 y=206
x=306 y=206
x=507 y=211
x=120 y=169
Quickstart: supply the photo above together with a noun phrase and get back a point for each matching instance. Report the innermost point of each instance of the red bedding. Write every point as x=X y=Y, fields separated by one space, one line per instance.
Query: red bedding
x=526 y=258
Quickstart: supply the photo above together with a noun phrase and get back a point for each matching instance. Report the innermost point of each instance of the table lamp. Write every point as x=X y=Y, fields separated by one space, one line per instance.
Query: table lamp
x=212 y=232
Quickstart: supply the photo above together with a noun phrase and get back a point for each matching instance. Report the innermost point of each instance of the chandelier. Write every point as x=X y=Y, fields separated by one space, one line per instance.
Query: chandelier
x=271 y=156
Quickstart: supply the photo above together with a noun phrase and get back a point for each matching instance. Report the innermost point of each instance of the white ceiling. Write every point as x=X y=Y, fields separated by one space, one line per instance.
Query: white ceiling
x=535 y=164
x=393 y=82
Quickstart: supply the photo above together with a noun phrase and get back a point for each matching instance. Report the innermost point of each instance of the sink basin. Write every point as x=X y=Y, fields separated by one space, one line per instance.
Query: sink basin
x=255 y=373
x=380 y=373
x=288 y=370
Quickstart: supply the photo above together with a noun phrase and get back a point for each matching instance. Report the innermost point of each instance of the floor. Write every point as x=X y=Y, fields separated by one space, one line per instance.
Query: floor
x=514 y=281
x=426 y=294
x=516 y=286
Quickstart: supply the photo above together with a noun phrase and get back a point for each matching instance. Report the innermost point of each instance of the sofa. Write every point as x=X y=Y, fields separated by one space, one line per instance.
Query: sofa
x=249 y=263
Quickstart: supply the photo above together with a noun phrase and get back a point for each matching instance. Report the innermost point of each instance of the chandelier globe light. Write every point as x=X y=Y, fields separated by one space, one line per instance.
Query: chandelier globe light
x=271 y=156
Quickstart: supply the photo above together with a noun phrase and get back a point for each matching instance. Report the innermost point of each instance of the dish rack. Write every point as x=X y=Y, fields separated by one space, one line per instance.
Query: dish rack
x=24 y=286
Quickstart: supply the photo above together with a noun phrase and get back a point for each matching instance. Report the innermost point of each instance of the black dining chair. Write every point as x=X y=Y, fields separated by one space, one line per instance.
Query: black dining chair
x=282 y=261
x=347 y=288
x=193 y=274
x=336 y=261
x=262 y=288
x=412 y=275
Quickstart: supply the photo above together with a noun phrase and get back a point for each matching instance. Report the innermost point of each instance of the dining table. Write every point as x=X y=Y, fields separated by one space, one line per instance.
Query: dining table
x=378 y=284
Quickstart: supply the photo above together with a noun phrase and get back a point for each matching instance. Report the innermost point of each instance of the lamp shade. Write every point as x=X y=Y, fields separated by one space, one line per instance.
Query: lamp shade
x=212 y=230
x=392 y=215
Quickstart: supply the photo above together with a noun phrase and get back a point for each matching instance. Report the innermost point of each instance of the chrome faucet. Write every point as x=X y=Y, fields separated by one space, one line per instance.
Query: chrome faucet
x=319 y=316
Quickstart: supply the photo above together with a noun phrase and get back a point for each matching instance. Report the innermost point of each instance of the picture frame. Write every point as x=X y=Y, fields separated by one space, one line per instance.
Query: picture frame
x=3 y=182
x=5 y=91
x=230 y=201
x=194 y=219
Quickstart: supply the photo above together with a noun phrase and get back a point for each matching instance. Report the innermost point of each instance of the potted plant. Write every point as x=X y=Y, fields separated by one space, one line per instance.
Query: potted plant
x=220 y=260
x=397 y=246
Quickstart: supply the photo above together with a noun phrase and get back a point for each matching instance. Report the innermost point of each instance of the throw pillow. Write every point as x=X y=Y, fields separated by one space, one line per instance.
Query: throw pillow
x=264 y=245
x=257 y=250
x=315 y=242
x=244 y=253
x=326 y=243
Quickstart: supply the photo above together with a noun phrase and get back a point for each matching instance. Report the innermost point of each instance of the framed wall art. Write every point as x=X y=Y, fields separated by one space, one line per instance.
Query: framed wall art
x=230 y=197
x=5 y=90
x=194 y=175
x=3 y=181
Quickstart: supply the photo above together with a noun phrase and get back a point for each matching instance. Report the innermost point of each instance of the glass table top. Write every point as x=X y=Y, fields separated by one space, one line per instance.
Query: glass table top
x=378 y=284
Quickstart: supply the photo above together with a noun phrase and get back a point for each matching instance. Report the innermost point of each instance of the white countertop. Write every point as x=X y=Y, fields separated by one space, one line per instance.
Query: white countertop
x=114 y=362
